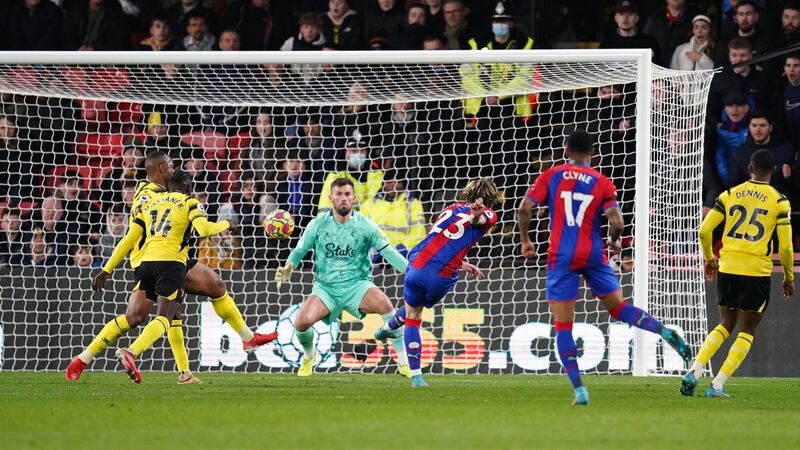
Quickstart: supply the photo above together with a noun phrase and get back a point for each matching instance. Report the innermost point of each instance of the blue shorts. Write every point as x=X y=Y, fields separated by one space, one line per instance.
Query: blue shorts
x=562 y=284
x=422 y=288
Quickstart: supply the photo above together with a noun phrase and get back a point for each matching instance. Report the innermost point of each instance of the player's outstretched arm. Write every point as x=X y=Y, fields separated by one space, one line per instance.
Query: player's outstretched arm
x=394 y=258
x=785 y=250
x=616 y=223
x=122 y=248
x=712 y=220
x=524 y=221
x=205 y=228
x=307 y=241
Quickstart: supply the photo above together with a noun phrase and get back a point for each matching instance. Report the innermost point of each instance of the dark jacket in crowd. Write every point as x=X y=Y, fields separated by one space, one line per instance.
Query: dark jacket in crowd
x=755 y=85
x=782 y=153
x=107 y=30
x=263 y=28
x=348 y=36
x=669 y=35
x=639 y=40
x=389 y=25
x=37 y=28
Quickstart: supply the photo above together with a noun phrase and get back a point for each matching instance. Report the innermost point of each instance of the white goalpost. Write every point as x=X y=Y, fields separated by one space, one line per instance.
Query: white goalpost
x=264 y=130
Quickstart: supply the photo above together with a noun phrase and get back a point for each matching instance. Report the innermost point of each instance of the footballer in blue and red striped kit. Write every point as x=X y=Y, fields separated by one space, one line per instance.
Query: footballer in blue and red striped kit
x=577 y=197
x=435 y=262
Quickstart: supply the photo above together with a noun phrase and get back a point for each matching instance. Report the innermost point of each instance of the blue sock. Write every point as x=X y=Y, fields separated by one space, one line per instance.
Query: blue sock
x=568 y=352
x=413 y=345
x=398 y=320
x=636 y=317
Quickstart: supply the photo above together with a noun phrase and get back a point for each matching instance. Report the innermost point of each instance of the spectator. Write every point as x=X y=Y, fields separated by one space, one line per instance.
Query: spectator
x=669 y=27
x=786 y=100
x=95 y=25
x=251 y=229
x=40 y=252
x=160 y=38
x=34 y=25
x=457 y=30
x=128 y=192
x=367 y=177
x=229 y=41
x=294 y=190
x=790 y=24
x=131 y=167
x=732 y=131
x=416 y=26
x=58 y=234
x=384 y=21
x=83 y=256
x=16 y=159
x=697 y=53
x=197 y=38
x=116 y=227
x=746 y=28
x=627 y=35
x=342 y=26
x=262 y=24
x=761 y=135
x=311 y=145
x=179 y=14
x=12 y=248
x=743 y=78
x=436 y=23
x=397 y=212
x=309 y=38
x=205 y=179
x=434 y=42
x=81 y=216
x=265 y=150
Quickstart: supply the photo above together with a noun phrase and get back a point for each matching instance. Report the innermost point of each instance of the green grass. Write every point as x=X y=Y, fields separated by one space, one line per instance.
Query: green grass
x=280 y=411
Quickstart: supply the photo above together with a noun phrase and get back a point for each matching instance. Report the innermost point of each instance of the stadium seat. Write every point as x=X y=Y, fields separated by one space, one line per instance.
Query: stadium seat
x=215 y=145
x=237 y=143
x=98 y=150
x=127 y=114
x=109 y=79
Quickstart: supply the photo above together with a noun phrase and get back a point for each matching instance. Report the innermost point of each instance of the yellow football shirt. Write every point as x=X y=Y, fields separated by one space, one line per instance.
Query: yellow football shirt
x=144 y=192
x=752 y=212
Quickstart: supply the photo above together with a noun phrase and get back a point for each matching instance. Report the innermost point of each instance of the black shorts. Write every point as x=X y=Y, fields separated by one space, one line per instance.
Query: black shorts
x=161 y=278
x=743 y=292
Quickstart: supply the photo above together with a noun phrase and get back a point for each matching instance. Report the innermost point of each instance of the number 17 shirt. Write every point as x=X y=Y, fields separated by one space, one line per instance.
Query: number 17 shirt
x=576 y=196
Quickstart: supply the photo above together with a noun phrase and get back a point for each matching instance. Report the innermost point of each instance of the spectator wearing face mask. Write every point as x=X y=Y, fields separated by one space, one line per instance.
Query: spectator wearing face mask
x=366 y=175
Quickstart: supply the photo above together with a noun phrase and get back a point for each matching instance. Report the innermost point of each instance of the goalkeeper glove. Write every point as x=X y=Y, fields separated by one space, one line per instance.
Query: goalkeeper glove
x=283 y=274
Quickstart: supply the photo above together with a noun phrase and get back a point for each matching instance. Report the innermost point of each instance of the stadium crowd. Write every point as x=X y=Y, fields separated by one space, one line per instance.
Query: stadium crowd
x=71 y=167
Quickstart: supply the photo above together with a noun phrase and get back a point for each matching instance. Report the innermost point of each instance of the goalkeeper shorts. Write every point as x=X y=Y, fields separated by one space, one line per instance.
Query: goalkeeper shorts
x=342 y=297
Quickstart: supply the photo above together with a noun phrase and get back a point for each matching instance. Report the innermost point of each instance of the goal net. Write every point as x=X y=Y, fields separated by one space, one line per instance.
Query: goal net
x=266 y=131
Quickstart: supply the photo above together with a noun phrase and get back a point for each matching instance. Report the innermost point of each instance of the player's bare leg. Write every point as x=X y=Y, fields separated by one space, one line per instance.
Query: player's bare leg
x=712 y=343
x=375 y=301
x=311 y=311
x=638 y=318
x=413 y=344
x=138 y=310
x=204 y=281
x=564 y=315
x=748 y=322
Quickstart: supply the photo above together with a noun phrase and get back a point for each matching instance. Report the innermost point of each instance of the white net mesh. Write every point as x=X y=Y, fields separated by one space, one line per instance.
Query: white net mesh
x=258 y=138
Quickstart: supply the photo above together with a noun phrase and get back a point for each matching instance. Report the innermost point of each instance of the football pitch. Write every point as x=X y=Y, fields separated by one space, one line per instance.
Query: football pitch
x=344 y=411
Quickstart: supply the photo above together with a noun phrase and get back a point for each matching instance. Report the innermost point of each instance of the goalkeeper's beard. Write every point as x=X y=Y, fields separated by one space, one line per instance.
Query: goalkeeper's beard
x=344 y=210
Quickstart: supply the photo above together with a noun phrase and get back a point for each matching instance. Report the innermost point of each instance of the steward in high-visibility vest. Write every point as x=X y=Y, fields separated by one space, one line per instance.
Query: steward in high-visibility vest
x=399 y=214
x=480 y=79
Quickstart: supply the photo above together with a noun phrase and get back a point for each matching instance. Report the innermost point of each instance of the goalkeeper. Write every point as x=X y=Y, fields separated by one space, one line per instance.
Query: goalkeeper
x=341 y=240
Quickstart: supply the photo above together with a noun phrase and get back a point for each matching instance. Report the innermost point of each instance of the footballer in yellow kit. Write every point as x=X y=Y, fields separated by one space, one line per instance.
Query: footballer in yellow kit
x=164 y=223
x=753 y=212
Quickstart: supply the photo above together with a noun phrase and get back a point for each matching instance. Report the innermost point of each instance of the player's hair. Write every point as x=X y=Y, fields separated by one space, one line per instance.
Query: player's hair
x=482 y=188
x=181 y=181
x=579 y=142
x=762 y=161
x=342 y=181
x=793 y=55
x=154 y=158
x=791 y=5
x=740 y=43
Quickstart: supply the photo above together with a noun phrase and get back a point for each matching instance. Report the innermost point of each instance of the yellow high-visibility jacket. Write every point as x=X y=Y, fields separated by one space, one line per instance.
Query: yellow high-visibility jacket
x=403 y=220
